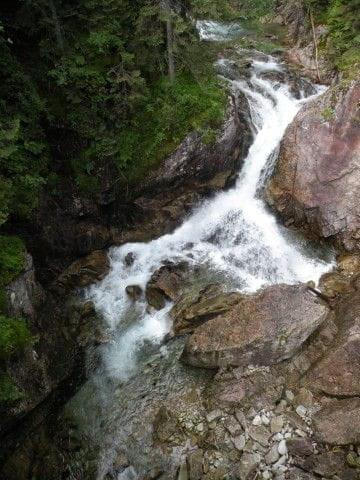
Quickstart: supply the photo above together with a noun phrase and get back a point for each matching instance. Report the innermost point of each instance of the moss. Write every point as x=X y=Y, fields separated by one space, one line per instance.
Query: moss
x=9 y=392
x=328 y=113
x=14 y=336
x=12 y=259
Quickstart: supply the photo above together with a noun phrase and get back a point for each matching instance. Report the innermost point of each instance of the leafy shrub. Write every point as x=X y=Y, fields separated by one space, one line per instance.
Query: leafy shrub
x=167 y=115
x=12 y=257
x=9 y=393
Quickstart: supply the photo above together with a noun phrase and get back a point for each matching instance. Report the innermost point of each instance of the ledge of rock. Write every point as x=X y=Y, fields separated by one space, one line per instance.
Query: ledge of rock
x=261 y=329
x=83 y=272
x=195 y=308
x=316 y=184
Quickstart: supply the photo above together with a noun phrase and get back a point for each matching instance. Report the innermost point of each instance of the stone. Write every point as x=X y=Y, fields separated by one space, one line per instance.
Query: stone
x=239 y=442
x=129 y=259
x=282 y=448
x=316 y=182
x=233 y=426
x=166 y=284
x=297 y=474
x=214 y=415
x=257 y=420
x=260 y=434
x=333 y=284
x=273 y=455
x=183 y=472
x=338 y=423
x=83 y=272
x=261 y=329
x=247 y=465
x=300 y=447
x=134 y=292
x=195 y=465
x=301 y=411
x=276 y=424
x=304 y=397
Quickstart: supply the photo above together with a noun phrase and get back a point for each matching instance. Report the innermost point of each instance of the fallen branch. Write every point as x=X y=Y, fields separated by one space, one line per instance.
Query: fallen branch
x=315 y=44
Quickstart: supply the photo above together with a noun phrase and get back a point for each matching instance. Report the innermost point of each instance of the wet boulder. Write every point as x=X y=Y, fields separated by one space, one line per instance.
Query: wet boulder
x=316 y=183
x=83 y=272
x=261 y=329
x=195 y=308
x=166 y=284
x=134 y=292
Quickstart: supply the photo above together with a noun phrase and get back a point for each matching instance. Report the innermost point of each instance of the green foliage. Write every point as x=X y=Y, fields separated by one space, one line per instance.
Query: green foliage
x=168 y=113
x=14 y=336
x=328 y=113
x=9 y=393
x=23 y=154
x=12 y=257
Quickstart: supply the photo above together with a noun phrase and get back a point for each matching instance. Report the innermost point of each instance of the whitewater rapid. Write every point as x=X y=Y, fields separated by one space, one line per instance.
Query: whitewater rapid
x=233 y=235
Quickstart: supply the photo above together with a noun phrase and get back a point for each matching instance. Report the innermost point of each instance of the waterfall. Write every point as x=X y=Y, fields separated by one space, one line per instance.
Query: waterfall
x=233 y=235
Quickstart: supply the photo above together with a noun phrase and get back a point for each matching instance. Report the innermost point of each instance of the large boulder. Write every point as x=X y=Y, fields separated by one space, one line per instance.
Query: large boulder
x=261 y=329
x=316 y=183
x=338 y=423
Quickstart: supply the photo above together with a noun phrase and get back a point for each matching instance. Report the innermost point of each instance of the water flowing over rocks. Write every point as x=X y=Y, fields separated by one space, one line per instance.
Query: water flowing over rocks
x=316 y=180
x=263 y=406
x=261 y=329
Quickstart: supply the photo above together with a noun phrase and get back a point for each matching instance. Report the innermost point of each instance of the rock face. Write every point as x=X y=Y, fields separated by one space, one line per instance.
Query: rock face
x=294 y=15
x=316 y=183
x=84 y=271
x=338 y=373
x=261 y=329
x=339 y=422
x=24 y=293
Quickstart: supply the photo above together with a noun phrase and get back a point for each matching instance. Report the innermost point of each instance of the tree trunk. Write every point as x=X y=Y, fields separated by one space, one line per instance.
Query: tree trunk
x=169 y=40
x=58 y=33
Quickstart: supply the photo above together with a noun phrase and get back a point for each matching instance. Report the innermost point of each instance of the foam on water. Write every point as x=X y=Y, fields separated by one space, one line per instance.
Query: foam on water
x=233 y=235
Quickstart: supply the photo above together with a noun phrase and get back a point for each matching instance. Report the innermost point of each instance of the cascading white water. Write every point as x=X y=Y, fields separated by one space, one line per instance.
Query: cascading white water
x=215 y=31
x=233 y=235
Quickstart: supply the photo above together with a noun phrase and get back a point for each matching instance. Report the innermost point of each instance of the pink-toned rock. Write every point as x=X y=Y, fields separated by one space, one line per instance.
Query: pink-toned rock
x=338 y=373
x=316 y=183
x=339 y=422
x=261 y=329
